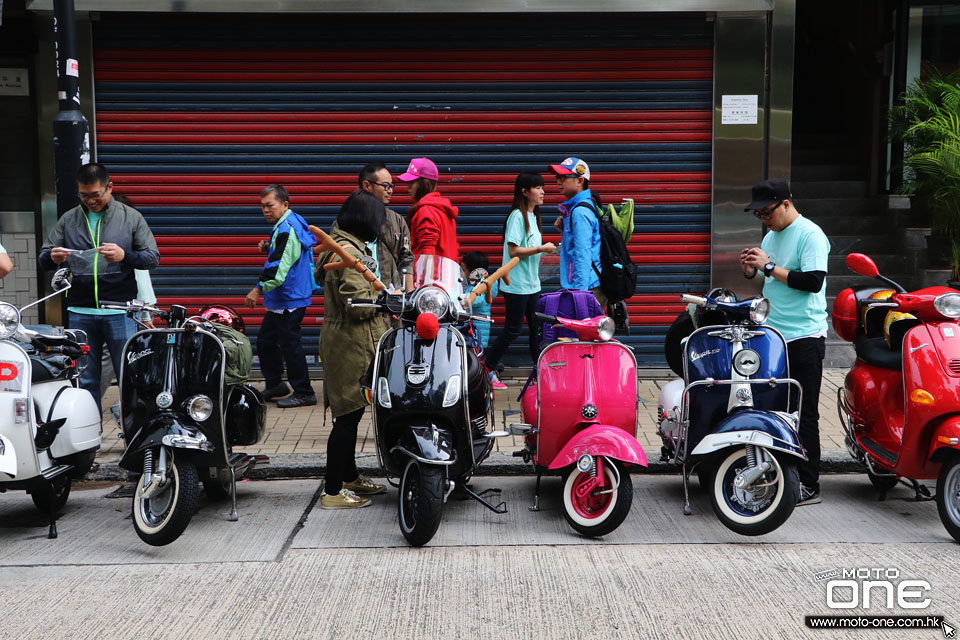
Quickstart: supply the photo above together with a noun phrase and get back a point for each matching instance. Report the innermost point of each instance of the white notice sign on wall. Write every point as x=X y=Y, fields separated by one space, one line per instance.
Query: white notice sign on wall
x=738 y=110
x=14 y=82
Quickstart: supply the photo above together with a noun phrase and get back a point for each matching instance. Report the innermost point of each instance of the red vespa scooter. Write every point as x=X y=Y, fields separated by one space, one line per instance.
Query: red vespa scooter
x=900 y=403
x=580 y=419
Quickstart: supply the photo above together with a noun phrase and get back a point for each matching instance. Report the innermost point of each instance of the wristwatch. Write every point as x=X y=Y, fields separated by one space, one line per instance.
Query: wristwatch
x=768 y=269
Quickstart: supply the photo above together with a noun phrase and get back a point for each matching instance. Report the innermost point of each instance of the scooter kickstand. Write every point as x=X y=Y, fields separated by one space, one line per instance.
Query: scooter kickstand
x=686 y=491
x=536 y=495
x=234 y=516
x=922 y=493
x=52 y=496
x=491 y=490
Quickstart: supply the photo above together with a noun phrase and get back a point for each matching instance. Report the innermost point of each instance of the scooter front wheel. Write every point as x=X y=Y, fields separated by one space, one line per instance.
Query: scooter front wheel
x=597 y=512
x=421 y=502
x=161 y=519
x=762 y=506
x=948 y=496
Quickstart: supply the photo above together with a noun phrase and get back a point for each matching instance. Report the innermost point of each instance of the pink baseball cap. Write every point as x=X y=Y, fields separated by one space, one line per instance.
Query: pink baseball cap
x=420 y=168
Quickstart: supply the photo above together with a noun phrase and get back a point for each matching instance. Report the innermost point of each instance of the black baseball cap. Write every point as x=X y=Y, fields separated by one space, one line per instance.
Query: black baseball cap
x=767 y=192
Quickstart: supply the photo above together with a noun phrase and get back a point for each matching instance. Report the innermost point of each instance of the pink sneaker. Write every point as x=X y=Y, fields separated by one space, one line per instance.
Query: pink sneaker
x=495 y=382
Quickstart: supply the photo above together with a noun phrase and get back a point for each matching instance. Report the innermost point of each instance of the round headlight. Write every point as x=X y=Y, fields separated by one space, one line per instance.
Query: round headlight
x=9 y=320
x=948 y=304
x=199 y=407
x=605 y=328
x=434 y=301
x=759 y=310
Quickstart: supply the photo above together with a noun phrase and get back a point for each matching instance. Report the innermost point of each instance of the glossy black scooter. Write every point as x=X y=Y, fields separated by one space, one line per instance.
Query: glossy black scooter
x=431 y=395
x=180 y=420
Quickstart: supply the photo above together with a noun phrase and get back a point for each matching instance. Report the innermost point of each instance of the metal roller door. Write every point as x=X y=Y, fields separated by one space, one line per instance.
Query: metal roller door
x=194 y=115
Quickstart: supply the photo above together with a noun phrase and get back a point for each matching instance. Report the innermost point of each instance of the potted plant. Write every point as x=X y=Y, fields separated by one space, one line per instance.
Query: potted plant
x=929 y=124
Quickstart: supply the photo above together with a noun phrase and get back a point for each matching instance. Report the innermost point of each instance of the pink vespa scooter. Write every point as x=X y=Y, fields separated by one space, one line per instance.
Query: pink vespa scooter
x=580 y=419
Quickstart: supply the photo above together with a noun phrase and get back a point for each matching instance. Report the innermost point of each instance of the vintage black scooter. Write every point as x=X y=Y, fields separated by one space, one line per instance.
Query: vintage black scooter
x=431 y=394
x=180 y=414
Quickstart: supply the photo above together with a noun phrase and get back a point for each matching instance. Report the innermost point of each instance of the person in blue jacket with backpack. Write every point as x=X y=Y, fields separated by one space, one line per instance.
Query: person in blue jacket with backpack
x=579 y=228
x=286 y=285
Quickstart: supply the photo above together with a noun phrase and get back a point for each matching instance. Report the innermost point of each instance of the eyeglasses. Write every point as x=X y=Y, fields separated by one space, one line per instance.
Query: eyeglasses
x=764 y=214
x=96 y=195
x=387 y=186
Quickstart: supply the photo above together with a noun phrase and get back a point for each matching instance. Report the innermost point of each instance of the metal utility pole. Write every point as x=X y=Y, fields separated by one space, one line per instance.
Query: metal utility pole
x=71 y=134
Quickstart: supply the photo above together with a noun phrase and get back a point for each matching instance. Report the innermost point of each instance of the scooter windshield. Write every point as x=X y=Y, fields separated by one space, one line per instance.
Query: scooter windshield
x=440 y=272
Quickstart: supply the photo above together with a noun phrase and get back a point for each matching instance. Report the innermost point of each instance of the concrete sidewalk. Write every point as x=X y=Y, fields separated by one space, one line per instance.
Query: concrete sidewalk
x=296 y=439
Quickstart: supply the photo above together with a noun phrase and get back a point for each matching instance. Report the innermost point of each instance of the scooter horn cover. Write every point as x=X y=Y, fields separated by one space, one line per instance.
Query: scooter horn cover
x=845 y=315
x=223 y=314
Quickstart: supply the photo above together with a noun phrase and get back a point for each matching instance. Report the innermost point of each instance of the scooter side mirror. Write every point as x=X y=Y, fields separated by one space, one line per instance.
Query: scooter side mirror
x=62 y=279
x=862 y=265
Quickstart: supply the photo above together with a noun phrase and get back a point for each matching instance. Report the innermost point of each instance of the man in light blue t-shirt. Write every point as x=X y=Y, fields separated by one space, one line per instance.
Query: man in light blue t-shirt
x=6 y=265
x=792 y=260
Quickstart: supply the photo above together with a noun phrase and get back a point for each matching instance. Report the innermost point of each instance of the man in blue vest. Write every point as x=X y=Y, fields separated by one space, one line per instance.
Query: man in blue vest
x=286 y=285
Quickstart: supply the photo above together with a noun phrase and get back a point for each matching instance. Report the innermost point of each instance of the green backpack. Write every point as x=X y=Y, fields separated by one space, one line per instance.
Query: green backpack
x=239 y=354
x=621 y=220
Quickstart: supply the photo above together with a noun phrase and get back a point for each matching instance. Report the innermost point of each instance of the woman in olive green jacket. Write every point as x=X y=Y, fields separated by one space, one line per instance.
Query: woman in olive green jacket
x=347 y=344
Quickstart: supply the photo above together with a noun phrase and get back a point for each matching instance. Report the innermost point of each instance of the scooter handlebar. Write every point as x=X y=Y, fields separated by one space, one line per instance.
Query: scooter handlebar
x=346 y=260
x=545 y=318
x=686 y=297
x=484 y=285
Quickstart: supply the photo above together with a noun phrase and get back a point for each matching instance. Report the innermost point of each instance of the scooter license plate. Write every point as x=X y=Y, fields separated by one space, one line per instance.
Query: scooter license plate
x=11 y=376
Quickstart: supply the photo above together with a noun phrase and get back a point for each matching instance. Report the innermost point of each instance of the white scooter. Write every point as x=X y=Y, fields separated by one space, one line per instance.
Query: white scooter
x=49 y=426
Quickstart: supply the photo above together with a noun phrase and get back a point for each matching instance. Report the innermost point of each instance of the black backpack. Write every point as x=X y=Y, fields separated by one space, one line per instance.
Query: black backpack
x=618 y=274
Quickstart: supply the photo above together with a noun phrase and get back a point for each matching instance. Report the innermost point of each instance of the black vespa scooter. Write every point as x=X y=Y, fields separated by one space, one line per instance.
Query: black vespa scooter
x=431 y=395
x=180 y=419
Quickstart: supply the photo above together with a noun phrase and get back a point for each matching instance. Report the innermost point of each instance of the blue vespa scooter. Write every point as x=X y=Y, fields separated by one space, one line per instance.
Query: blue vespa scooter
x=729 y=417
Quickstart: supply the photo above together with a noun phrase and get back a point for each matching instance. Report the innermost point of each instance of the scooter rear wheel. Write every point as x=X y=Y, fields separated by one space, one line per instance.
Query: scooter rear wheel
x=597 y=514
x=421 y=502
x=61 y=491
x=948 y=496
x=754 y=513
x=161 y=519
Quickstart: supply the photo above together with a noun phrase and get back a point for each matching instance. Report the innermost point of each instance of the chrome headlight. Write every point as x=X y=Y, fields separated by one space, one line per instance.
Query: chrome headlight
x=433 y=300
x=605 y=328
x=9 y=320
x=199 y=407
x=759 y=310
x=948 y=304
x=452 y=395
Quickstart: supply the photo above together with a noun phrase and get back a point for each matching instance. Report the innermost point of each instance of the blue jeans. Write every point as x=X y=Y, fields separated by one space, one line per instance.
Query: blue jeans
x=112 y=330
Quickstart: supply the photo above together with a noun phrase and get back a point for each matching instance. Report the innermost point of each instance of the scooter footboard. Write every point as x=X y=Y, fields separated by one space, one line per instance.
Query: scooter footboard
x=601 y=440
x=762 y=428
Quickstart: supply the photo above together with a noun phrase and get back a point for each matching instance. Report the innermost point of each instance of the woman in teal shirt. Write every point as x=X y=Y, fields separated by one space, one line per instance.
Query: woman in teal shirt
x=521 y=239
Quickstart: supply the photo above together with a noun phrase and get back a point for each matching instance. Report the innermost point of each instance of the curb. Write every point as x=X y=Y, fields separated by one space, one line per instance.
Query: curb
x=288 y=466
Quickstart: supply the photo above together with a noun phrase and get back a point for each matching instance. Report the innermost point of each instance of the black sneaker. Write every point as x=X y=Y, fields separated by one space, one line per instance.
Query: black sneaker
x=808 y=496
x=279 y=391
x=297 y=400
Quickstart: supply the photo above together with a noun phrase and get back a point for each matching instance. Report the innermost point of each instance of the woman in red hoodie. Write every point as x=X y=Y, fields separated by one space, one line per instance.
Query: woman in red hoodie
x=432 y=218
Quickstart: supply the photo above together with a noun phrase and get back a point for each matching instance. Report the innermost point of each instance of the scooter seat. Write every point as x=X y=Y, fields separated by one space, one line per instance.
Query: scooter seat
x=874 y=351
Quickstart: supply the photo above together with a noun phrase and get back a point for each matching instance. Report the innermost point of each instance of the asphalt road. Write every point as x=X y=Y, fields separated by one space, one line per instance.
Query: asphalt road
x=290 y=570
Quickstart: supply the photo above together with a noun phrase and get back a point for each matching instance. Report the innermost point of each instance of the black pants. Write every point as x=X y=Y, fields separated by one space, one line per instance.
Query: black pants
x=518 y=307
x=342 y=452
x=279 y=342
x=806 y=367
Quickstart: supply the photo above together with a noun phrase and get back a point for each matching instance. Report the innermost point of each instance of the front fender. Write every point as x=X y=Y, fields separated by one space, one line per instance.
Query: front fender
x=601 y=440
x=152 y=436
x=752 y=426
x=429 y=444
x=949 y=430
